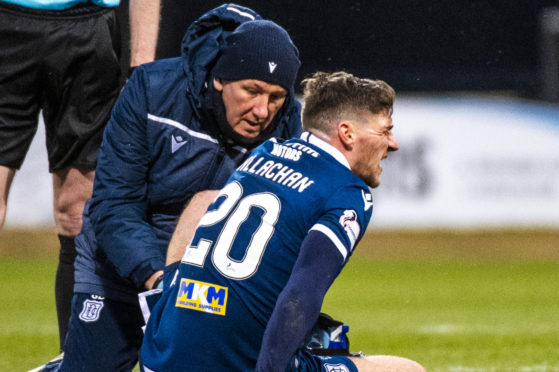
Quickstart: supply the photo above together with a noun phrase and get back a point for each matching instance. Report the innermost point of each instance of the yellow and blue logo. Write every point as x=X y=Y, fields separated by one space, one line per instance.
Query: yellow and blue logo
x=201 y=296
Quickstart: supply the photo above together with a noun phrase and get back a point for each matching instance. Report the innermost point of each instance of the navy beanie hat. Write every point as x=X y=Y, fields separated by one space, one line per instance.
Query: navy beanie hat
x=259 y=50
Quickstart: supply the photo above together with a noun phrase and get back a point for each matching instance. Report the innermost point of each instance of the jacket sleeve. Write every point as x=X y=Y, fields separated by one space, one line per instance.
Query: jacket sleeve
x=119 y=200
x=299 y=303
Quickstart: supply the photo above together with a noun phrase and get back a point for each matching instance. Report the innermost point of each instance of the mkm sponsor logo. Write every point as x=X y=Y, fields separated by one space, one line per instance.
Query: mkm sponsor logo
x=201 y=296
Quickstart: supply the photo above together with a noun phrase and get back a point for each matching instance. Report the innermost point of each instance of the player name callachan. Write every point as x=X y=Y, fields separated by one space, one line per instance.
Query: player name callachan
x=277 y=172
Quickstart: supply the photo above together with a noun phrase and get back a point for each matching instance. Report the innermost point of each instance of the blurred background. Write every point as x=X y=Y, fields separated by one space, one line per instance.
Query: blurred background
x=477 y=113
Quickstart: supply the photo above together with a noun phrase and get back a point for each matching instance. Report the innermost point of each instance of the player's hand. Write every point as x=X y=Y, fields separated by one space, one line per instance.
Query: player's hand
x=155 y=278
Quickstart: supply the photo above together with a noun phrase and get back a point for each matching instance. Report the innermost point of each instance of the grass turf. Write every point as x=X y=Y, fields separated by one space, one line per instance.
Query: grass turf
x=454 y=301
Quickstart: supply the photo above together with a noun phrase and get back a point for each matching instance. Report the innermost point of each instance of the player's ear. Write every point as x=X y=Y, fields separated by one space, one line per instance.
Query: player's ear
x=346 y=134
x=218 y=84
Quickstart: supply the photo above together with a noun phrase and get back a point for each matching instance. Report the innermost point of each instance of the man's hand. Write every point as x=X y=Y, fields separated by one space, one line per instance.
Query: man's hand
x=154 y=279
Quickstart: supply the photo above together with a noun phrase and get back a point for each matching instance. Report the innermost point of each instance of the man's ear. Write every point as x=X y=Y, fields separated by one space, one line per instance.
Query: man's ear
x=346 y=134
x=218 y=84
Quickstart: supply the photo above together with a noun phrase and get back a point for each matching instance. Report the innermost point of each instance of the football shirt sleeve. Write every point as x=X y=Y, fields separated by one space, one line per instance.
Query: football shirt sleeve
x=299 y=303
x=325 y=250
x=347 y=216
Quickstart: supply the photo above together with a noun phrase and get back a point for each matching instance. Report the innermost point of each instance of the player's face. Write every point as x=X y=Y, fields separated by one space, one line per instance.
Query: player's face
x=373 y=143
x=250 y=105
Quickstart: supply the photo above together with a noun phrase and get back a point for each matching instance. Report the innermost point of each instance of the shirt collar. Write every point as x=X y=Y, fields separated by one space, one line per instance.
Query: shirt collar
x=325 y=146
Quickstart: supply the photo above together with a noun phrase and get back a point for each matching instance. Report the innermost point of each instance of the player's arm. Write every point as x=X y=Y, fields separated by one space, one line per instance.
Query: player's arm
x=299 y=304
x=144 y=27
x=188 y=221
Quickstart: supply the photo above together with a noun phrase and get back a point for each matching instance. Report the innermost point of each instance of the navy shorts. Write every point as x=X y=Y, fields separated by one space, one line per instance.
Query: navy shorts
x=103 y=335
x=65 y=63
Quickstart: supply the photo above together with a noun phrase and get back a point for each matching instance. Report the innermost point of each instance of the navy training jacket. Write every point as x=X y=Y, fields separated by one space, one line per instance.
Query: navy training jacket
x=157 y=152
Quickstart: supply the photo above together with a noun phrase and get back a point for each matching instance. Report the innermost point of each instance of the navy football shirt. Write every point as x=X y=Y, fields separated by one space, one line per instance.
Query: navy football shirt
x=213 y=315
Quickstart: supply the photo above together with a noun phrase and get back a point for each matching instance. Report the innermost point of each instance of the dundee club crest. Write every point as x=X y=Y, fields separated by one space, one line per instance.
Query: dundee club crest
x=91 y=310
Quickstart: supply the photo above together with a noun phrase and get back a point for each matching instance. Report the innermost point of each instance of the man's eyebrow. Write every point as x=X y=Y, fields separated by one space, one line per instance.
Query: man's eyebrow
x=279 y=93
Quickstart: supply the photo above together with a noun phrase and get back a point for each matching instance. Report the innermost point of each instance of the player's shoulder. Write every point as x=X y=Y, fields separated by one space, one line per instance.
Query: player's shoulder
x=355 y=195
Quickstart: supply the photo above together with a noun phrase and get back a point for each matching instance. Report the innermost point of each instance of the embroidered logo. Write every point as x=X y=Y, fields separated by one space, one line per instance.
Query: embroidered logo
x=367 y=199
x=91 y=310
x=177 y=142
x=272 y=66
x=335 y=367
x=349 y=222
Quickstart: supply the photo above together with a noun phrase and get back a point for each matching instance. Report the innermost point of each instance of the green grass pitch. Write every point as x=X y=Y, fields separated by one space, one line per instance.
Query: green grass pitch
x=454 y=301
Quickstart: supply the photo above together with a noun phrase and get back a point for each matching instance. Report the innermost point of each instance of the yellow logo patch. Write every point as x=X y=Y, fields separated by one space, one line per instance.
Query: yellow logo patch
x=200 y=296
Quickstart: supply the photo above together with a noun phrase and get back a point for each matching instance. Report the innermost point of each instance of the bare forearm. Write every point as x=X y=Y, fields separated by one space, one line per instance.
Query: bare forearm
x=187 y=223
x=144 y=28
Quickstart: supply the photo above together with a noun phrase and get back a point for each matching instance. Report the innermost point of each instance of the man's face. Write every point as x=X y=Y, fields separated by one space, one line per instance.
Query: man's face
x=373 y=143
x=250 y=105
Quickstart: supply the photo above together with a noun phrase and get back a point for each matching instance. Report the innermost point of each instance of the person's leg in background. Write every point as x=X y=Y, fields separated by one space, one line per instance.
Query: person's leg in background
x=83 y=80
x=6 y=178
x=71 y=189
x=65 y=63
x=20 y=96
